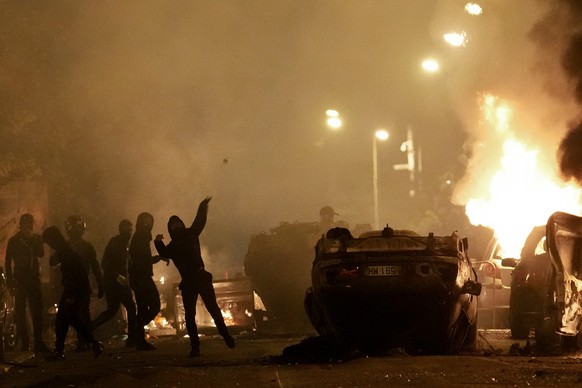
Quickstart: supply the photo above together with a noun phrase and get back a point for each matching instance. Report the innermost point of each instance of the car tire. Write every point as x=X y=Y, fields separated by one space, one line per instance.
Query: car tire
x=470 y=343
x=459 y=335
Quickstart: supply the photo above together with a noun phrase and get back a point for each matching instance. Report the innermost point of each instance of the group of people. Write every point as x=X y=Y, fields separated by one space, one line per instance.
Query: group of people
x=127 y=279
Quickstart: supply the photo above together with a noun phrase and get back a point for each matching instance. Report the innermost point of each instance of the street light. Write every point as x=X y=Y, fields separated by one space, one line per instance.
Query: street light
x=333 y=120
x=430 y=65
x=382 y=135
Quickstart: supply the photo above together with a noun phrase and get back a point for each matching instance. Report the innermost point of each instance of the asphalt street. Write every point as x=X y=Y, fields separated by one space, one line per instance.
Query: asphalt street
x=258 y=361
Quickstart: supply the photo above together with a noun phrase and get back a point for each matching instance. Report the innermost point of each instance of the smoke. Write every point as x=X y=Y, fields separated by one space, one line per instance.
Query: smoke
x=571 y=145
x=133 y=106
x=513 y=53
x=569 y=154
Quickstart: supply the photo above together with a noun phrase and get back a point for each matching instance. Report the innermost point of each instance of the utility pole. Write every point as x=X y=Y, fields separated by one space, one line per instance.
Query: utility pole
x=410 y=165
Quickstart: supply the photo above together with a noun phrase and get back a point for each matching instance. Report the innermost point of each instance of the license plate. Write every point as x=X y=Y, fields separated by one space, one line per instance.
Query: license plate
x=383 y=270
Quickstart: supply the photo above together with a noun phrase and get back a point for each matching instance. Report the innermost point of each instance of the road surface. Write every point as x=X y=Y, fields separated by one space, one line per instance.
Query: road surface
x=258 y=361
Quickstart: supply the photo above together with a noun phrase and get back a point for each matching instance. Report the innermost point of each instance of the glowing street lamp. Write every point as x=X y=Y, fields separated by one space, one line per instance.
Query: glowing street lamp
x=473 y=9
x=382 y=135
x=333 y=120
x=456 y=39
x=430 y=65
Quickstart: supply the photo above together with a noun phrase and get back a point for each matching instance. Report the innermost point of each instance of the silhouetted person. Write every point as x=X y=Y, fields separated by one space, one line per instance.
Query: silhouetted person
x=326 y=219
x=75 y=296
x=75 y=227
x=24 y=250
x=116 y=284
x=140 y=269
x=184 y=250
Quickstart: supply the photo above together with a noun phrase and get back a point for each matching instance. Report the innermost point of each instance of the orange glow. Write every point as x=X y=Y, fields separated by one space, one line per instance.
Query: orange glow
x=521 y=193
x=227 y=315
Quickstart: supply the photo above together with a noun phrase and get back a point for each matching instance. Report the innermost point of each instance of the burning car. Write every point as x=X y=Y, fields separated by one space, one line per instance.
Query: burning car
x=548 y=284
x=562 y=305
x=394 y=288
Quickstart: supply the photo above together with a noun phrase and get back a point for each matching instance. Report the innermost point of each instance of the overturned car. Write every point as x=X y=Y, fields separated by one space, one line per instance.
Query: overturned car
x=562 y=308
x=391 y=288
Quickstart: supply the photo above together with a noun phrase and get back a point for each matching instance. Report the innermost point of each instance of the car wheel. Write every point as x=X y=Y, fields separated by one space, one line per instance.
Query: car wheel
x=547 y=340
x=460 y=335
x=470 y=343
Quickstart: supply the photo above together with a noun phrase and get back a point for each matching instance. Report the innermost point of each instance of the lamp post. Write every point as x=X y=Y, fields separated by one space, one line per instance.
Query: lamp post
x=382 y=135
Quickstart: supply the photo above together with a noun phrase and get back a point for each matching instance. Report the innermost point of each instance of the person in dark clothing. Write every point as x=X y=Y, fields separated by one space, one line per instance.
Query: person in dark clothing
x=140 y=269
x=117 y=290
x=75 y=227
x=24 y=250
x=75 y=296
x=184 y=250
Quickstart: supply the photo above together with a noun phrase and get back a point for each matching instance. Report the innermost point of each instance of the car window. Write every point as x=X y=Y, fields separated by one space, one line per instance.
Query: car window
x=541 y=247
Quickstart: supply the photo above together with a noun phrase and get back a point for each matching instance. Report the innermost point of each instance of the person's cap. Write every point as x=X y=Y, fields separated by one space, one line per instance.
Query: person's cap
x=327 y=210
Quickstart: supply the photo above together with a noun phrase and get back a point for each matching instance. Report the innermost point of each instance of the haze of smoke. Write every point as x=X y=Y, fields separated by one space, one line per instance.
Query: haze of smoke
x=562 y=24
x=570 y=156
x=510 y=56
x=153 y=97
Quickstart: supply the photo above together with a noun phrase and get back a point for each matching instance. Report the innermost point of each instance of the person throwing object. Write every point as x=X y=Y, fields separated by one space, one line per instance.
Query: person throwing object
x=184 y=250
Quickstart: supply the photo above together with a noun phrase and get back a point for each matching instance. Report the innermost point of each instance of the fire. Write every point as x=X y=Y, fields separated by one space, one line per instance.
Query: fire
x=227 y=315
x=521 y=193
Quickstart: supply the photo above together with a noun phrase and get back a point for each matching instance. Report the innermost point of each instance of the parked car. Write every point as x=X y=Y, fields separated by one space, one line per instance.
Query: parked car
x=545 y=292
x=394 y=288
x=495 y=279
x=530 y=279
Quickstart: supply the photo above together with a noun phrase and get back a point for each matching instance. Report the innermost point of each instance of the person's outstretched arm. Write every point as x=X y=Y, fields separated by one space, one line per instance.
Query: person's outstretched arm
x=161 y=246
x=201 y=217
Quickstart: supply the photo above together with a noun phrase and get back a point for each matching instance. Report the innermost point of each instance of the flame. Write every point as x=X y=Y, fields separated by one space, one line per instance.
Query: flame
x=227 y=315
x=521 y=193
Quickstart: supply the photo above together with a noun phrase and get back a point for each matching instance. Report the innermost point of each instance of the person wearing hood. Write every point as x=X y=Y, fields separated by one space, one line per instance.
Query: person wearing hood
x=75 y=227
x=75 y=296
x=140 y=270
x=184 y=250
x=24 y=250
x=117 y=290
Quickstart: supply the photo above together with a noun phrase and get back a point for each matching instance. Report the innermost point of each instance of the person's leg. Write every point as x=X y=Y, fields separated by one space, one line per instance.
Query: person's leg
x=208 y=295
x=85 y=316
x=62 y=324
x=80 y=324
x=141 y=289
x=35 y=303
x=126 y=298
x=20 y=301
x=113 y=299
x=189 y=298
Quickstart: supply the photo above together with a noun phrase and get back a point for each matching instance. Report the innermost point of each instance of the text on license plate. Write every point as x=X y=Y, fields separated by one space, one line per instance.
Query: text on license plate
x=383 y=270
